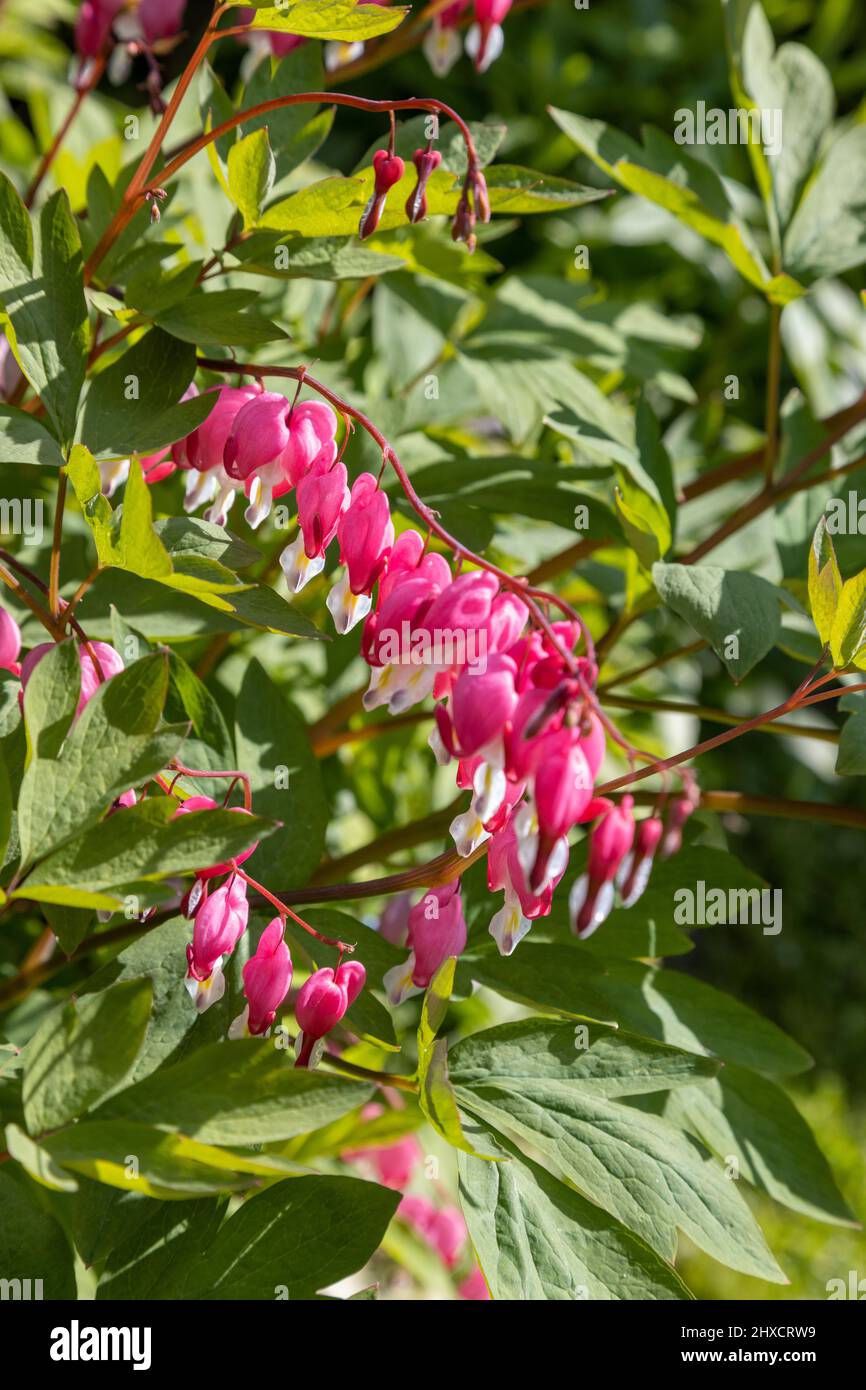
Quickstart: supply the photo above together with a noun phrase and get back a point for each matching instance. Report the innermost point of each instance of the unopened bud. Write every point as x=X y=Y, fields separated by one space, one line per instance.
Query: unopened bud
x=463 y=226
x=387 y=170
x=480 y=197
x=425 y=161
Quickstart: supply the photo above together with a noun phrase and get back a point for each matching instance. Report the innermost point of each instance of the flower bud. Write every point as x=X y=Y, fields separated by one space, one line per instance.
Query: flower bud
x=425 y=161
x=219 y=924
x=463 y=225
x=10 y=643
x=480 y=197
x=322 y=1001
x=636 y=867
x=267 y=977
x=387 y=170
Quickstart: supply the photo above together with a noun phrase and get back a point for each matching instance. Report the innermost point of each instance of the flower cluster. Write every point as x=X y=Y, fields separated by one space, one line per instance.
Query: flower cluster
x=516 y=710
x=220 y=913
x=485 y=38
x=220 y=918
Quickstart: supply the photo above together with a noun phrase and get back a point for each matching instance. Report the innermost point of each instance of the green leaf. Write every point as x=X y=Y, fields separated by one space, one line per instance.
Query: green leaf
x=251 y=172
x=24 y=440
x=6 y=807
x=740 y=1115
x=827 y=235
x=42 y=293
x=132 y=406
x=35 y=1161
x=687 y=1013
x=136 y=1158
x=159 y=954
x=142 y=842
x=848 y=629
x=273 y=748
x=328 y=19
x=851 y=758
x=51 y=698
x=298 y=1236
x=333 y=206
x=32 y=1244
x=681 y=184
x=537 y=1053
x=81 y=1051
x=316 y=258
x=112 y=747
x=793 y=82
x=244 y=1092
x=538 y=1240
x=825 y=581
x=185 y=536
x=642 y=1170
x=219 y=318
x=737 y=613
x=149 y=1238
x=141 y=1259
x=436 y=1093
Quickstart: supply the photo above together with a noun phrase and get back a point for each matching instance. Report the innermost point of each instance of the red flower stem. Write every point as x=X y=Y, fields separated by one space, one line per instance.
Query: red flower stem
x=139 y=186
x=205 y=773
x=797 y=700
x=307 y=98
x=344 y=947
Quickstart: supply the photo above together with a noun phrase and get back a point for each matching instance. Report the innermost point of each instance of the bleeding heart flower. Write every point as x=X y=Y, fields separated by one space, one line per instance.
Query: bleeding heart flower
x=267 y=978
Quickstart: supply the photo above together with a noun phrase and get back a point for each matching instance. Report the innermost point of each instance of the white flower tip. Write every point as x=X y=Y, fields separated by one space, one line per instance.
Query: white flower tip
x=239 y=1027
x=508 y=927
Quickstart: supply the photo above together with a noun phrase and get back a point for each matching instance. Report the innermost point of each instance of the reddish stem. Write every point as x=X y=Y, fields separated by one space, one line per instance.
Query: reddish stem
x=344 y=947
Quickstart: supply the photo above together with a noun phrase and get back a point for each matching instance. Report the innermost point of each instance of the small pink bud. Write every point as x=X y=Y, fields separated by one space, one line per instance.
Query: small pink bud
x=365 y=533
x=387 y=170
x=480 y=197
x=425 y=161
x=10 y=643
x=322 y=496
x=681 y=809
x=323 y=1000
x=463 y=225
x=437 y=930
x=636 y=867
